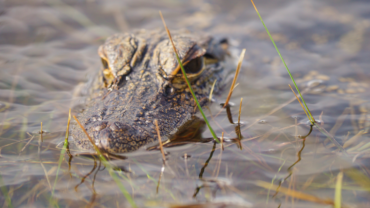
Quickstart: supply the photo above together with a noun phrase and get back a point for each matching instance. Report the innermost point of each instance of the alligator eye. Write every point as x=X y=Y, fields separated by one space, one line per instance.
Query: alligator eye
x=194 y=66
x=210 y=59
x=209 y=56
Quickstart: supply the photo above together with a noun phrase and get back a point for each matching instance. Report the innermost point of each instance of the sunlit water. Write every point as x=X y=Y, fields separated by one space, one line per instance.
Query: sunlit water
x=49 y=49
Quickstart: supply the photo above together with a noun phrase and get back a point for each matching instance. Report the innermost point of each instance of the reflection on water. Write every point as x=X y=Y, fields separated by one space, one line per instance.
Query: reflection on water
x=48 y=50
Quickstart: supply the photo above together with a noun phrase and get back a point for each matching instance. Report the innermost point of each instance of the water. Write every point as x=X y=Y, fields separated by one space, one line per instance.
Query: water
x=49 y=49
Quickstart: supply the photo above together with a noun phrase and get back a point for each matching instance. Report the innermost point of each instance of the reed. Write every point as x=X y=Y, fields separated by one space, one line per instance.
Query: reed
x=295 y=194
x=310 y=117
x=235 y=77
x=240 y=110
x=301 y=104
x=187 y=80
x=109 y=168
x=213 y=87
x=160 y=140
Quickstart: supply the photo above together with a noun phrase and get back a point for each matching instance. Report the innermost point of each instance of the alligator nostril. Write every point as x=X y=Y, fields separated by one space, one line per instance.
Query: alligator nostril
x=99 y=126
x=104 y=139
x=94 y=118
x=116 y=126
x=102 y=143
x=168 y=90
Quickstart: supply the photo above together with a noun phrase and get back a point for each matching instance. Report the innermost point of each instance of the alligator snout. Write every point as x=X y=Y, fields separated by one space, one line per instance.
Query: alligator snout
x=114 y=136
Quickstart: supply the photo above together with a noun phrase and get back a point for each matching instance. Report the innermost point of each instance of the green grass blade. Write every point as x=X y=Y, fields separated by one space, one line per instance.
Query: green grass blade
x=5 y=192
x=196 y=100
x=119 y=184
x=338 y=191
x=272 y=181
x=188 y=83
x=109 y=168
x=62 y=152
x=281 y=57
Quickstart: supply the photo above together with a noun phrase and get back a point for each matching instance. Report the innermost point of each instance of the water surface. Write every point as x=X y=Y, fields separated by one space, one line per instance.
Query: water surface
x=48 y=50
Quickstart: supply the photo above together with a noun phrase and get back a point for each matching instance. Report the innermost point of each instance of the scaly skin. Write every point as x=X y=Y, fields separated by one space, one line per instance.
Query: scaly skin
x=138 y=84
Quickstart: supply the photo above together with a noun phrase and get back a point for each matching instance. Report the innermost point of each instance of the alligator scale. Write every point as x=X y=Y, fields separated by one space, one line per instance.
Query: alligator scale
x=141 y=82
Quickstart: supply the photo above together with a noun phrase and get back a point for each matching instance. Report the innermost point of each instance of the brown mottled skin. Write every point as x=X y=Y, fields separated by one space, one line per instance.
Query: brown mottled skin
x=138 y=84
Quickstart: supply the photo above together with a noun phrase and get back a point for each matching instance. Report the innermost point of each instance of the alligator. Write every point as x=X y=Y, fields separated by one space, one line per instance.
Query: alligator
x=141 y=81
